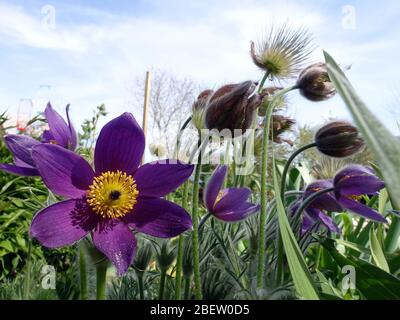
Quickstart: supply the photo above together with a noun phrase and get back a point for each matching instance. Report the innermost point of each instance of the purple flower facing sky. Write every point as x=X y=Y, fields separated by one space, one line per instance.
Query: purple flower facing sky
x=351 y=183
x=60 y=133
x=110 y=201
x=229 y=205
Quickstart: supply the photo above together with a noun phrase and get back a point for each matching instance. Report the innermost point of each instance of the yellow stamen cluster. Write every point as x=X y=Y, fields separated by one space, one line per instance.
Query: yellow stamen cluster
x=219 y=197
x=112 y=194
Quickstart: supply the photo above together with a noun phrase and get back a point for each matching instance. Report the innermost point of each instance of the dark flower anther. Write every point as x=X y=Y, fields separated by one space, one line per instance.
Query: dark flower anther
x=314 y=83
x=338 y=139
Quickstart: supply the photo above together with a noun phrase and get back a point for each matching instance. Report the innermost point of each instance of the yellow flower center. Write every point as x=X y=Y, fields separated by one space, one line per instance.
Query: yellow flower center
x=219 y=197
x=112 y=194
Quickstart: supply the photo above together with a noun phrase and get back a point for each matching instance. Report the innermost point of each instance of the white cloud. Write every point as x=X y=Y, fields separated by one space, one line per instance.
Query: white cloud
x=94 y=61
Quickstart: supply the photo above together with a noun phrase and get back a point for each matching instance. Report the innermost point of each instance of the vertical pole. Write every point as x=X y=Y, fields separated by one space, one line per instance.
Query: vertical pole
x=147 y=89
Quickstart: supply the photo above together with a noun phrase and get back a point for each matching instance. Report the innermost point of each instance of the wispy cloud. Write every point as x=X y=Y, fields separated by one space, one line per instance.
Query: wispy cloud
x=95 y=52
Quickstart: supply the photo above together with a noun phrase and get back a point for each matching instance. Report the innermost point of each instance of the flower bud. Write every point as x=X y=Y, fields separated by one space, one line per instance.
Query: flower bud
x=231 y=107
x=314 y=83
x=158 y=149
x=338 y=139
x=143 y=257
x=280 y=125
x=199 y=108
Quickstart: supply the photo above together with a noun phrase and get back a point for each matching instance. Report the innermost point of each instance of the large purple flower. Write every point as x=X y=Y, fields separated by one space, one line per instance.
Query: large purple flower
x=108 y=202
x=229 y=205
x=60 y=133
x=316 y=210
x=354 y=181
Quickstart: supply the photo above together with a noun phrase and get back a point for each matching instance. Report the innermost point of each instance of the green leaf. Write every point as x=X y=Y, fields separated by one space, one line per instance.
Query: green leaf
x=371 y=281
x=377 y=252
x=384 y=146
x=301 y=275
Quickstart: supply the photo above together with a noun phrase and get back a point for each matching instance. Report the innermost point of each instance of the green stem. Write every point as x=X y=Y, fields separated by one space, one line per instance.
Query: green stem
x=27 y=282
x=187 y=288
x=289 y=162
x=140 y=283
x=101 y=277
x=195 y=234
x=179 y=260
x=83 y=273
x=263 y=203
x=261 y=86
x=310 y=199
x=162 y=284
x=203 y=220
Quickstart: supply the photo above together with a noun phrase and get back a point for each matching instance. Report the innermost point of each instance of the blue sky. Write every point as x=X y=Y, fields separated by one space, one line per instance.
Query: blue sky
x=95 y=49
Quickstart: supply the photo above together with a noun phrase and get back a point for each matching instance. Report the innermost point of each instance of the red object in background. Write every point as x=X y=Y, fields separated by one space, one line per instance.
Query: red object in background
x=25 y=107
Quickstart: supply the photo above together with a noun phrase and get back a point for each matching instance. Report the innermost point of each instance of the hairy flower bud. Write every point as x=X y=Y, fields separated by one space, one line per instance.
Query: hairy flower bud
x=338 y=139
x=232 y=107
x=158 y=149
x=199 y=108
x=314 y=83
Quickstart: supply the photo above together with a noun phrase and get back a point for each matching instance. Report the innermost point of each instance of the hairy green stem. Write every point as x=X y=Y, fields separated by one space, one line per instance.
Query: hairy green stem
x=140 y=283
x=310 y=199
x=83 y=273
x=27 y=282
x=101 y=278
x=195 y=233
x=162 y=284
x=187 y=288
x=263 y=202
x=288 y=164
x=179 y=260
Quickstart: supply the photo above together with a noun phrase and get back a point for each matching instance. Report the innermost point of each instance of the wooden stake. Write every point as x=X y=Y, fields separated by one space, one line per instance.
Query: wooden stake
x=147 y=89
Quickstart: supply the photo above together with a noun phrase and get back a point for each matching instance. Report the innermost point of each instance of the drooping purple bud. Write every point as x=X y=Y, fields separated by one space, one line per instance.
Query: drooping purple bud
x=338 y=139
x=232 y=107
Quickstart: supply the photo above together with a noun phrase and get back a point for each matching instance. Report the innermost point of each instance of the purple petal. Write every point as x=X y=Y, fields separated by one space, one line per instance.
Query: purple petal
x=73 y=141
x=214 y=185
x=47 y=137
x=327 y=221
x=58 y=127
x=63 y=223
x=325 y=201
x=117 y=243
x=238 y=214
x=64 y=172
x=159 y=178
x=361 y=209
x=358 y=185
x=120 y=145
x=21 y=147
x=18 y=170
x=231 y=199
x=306 y=224
x=159 y=218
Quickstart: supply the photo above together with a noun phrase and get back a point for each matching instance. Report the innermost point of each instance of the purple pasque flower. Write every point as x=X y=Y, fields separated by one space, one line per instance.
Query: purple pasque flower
x=112 y=199
x=60 y=133
x=351 y=183
x=316 y=211
x=229 y=205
